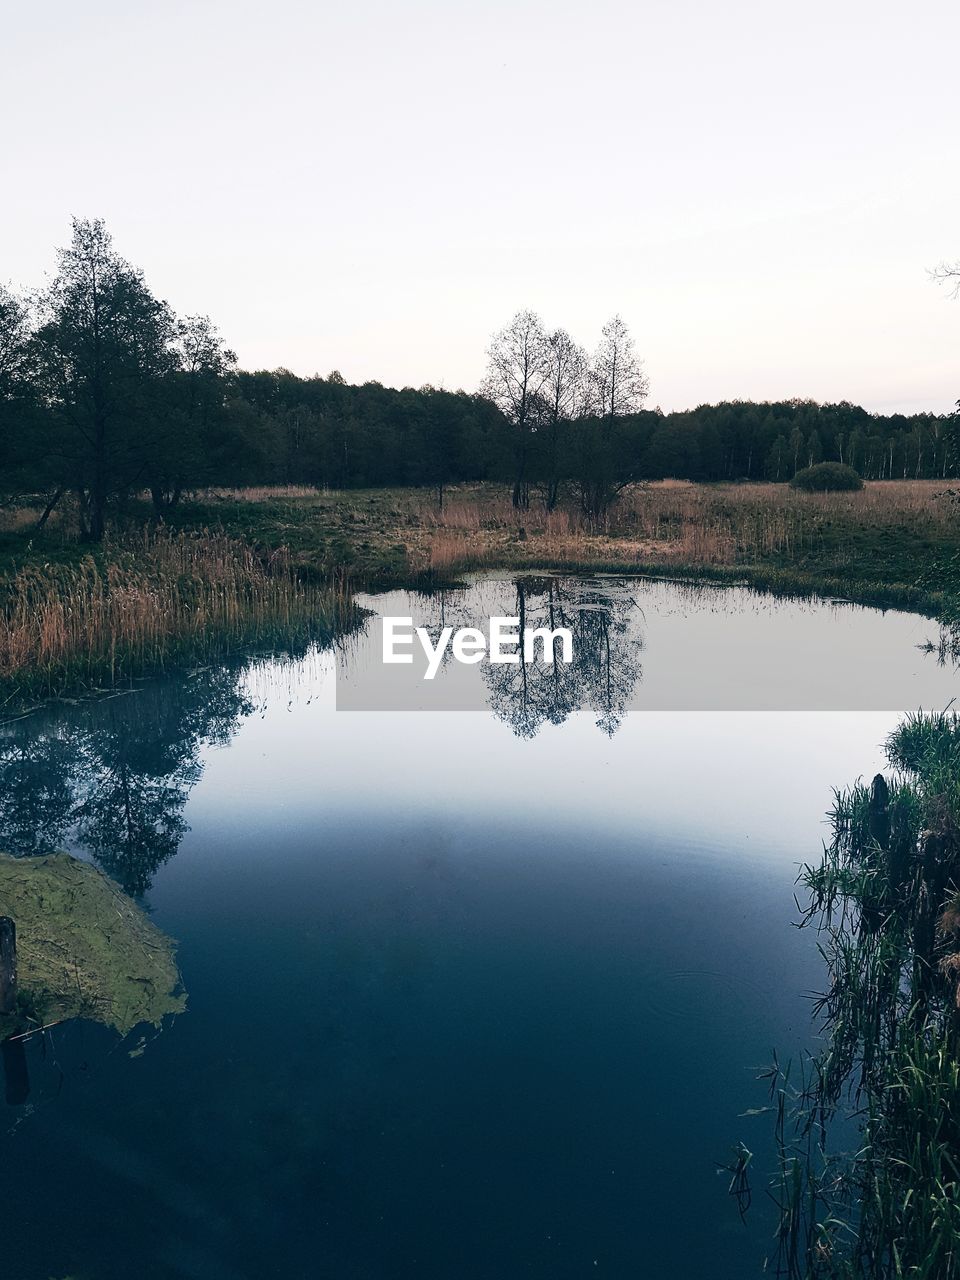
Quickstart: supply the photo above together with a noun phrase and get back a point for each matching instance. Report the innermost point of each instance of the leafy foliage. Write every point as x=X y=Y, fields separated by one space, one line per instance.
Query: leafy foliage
x=886 y=903
x=827 y=477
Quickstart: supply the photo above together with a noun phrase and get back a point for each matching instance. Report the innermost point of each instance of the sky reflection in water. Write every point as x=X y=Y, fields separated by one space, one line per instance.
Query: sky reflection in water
x=470 y=995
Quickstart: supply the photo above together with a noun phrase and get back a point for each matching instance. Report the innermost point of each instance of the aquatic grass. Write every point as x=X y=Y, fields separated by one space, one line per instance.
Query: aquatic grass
x=149 y=601
x=886 y=900
x=926 y=741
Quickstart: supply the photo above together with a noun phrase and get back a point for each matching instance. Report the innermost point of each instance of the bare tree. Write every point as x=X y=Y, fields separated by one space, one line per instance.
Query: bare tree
x=948 y=273
x=516 y=374
x=608 y=455
x=565 y=399
x=620 y=386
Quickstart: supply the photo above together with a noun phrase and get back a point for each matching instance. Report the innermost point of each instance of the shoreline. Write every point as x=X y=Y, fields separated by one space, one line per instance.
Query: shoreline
x=231 y=572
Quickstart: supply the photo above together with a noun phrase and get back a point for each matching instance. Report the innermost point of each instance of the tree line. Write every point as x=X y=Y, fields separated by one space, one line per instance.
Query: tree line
x=106 y=393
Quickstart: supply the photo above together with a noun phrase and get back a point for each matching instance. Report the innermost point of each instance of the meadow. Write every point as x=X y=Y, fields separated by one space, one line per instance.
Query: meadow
x=872 y=544
x=233 y=566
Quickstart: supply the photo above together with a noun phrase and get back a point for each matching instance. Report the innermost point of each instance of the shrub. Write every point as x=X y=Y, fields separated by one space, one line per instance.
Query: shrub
x=827 y=477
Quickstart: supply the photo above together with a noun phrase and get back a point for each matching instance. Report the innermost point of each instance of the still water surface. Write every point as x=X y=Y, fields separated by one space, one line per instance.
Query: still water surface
x=471 y=995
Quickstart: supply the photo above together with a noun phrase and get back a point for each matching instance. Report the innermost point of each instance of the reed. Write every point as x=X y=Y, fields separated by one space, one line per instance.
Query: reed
x=890 y=545
x=884 y=1203
x=149 y=601
x=891 y=529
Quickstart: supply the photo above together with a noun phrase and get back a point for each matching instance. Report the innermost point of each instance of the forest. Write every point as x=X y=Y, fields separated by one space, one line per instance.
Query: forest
x=106 y=394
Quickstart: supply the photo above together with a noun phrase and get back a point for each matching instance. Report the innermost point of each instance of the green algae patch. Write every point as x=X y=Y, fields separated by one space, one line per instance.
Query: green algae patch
x=84 y=949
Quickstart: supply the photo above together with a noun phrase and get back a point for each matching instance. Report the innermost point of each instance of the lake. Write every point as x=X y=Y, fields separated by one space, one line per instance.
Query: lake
x=479 y=980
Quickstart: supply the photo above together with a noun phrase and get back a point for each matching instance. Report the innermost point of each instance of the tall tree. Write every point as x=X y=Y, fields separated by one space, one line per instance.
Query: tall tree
x=14 y=380
x=103 y=349
x=608 y=456
x=796 y=447
x=14 y=346
x=776 y=459
x=515 y=379
x=564 y=395
x=183 y=448
x=814 y=448
x=619 y=383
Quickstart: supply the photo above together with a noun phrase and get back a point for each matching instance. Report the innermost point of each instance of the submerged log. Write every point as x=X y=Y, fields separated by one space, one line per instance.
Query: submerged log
x=8 y=965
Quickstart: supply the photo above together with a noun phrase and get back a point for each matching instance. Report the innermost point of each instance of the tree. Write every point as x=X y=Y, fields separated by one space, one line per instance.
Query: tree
x=564 y=394
x=796 y=447
x=14 y=394
x=182 y=449
x=948 y=273
x=776 y=458
x=619 y=384
x=14 y=349
x=608 y=457
x=814 y=449
x=516 y=374
x=103 y=350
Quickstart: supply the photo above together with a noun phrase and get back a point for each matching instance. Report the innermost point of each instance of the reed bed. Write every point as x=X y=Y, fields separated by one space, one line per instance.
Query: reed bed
x=143 y=597
x=884 y=1203
x=149 y=601
x=675 y=524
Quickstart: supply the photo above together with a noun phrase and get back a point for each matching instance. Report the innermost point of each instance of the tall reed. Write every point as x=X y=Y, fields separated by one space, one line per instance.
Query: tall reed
x=150 y=600
x=678 y=524
x=883 y=1202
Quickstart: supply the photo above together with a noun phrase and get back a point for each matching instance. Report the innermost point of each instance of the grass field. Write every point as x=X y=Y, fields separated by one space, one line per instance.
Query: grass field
x=890 y=544
x=882 y=544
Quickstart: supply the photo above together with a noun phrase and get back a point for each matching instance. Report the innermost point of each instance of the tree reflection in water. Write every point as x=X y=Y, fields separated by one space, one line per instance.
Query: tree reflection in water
x=112 y=778
x=602 y=616
x=606 y=666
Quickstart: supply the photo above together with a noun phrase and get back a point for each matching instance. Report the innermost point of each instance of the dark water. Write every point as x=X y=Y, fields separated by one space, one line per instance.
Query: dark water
x=471 y=996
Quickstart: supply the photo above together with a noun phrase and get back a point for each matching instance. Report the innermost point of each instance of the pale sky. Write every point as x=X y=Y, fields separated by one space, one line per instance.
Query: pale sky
x=757 y=187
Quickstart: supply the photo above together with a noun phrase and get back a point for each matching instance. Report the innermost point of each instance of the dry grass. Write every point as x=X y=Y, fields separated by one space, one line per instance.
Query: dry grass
x=149 y=600
x=672 y=523
x=260 y=493
x=18 y=519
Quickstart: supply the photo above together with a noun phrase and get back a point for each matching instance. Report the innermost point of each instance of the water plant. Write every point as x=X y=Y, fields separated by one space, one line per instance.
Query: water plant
x=868 y=1184
x=151 y=600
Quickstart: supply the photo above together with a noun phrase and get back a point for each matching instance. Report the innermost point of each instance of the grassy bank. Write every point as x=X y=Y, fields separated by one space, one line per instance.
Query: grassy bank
x=148 y=601
x=874 y=545
x=883 y=1202
x=237 y=566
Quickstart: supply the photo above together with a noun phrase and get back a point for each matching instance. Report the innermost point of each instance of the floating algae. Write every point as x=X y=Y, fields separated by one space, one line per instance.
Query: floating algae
x=84 y=949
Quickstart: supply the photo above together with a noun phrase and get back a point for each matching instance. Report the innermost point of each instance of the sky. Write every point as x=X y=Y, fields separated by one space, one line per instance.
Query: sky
x=758 y=188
